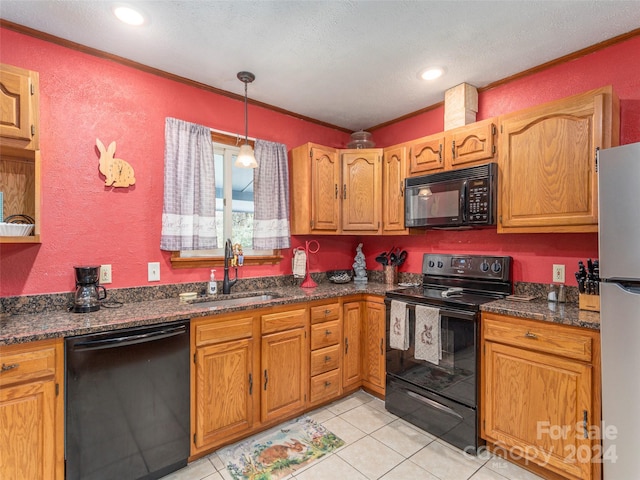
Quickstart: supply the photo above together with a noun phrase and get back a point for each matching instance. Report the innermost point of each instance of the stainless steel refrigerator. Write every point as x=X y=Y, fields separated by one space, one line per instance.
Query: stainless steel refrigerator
x=619 y=252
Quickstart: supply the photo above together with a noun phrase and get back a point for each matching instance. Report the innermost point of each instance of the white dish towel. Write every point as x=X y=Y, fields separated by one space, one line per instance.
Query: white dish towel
x=299 y=263
x=427 y=334
x=399 y=326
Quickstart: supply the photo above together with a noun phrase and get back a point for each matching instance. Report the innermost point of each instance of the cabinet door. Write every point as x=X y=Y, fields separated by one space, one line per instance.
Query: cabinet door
x=284 y=378
x=32 y=410
x=539 y=405
x=471 y=144
x=394 y=171
x=426 y=155
x=27 y=431
x=225 y=390
x=18 y=102
x=351 y=365
x=374 y=348
x=362 y=190
x=548 y=163
x=325 y=190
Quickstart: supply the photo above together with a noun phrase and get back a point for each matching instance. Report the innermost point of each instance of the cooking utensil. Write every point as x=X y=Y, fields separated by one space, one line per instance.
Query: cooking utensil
x=382 y=259
x=402 y=256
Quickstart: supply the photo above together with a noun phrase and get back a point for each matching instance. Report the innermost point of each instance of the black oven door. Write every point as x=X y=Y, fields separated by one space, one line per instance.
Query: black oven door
x=441 y=399
x=455 y=375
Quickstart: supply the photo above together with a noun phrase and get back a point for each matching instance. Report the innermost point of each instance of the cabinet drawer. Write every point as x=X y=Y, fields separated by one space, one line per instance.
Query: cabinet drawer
x=285 y=320
x=325 y=334
x=539 y=336
x=322 y=313
x=25 y=363
x=223 y=329
x=325 y=386
x=325 y=359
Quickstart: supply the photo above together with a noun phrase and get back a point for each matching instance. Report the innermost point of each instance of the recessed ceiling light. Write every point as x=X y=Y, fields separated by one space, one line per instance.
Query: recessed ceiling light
x=128 y=15
x=431 y=73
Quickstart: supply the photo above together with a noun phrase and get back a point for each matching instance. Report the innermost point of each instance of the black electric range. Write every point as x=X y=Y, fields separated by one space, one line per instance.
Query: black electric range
x=441 y=395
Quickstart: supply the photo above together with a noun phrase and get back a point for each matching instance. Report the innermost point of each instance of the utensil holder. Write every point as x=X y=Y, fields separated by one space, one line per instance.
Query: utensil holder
x=390 y=274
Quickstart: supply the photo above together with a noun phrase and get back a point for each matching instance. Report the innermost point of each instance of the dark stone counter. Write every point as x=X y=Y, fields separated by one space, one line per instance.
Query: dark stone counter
x=58 y=323
x=561 y=313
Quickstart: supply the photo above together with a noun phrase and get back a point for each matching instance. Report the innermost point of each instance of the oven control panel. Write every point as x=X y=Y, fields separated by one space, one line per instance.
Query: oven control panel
x=467 y=266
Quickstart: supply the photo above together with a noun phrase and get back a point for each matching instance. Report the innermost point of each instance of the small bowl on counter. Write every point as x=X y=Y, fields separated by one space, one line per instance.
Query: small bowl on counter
x=340 y=276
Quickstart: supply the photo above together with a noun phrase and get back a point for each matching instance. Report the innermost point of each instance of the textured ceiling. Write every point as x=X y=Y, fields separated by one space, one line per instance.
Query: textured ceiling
x=352 y=64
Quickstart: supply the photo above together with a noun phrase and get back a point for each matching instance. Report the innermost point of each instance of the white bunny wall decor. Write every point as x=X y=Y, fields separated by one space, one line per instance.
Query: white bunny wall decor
x=118 y=172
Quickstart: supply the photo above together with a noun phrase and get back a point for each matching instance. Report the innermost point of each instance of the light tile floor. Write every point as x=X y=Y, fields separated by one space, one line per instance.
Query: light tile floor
x=378 y=445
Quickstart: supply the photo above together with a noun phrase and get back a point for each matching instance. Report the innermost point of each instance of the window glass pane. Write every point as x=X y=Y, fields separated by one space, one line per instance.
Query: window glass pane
x=218 y=159
x=242 y=205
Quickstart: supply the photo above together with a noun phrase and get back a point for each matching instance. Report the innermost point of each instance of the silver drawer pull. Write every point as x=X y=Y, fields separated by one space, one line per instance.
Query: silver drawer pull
x=327 y=358
x=327 y=384
x=530 y=335
x=11 y=366
x=327 y=312
x=327 y=332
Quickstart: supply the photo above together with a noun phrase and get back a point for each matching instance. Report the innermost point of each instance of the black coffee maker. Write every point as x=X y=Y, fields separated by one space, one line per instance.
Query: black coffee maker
x=87 y=297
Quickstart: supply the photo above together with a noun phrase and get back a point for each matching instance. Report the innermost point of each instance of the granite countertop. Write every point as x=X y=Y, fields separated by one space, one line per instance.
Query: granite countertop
x=62 y=323
x=22 y=328
x=540 y=309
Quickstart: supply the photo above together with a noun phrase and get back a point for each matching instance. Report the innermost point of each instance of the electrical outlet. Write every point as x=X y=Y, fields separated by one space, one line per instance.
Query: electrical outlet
x=105 y=274
x=558 y=273
x=154 y=271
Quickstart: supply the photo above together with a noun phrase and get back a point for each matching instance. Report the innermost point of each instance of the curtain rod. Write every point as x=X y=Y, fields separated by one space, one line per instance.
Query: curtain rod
x=232 y=134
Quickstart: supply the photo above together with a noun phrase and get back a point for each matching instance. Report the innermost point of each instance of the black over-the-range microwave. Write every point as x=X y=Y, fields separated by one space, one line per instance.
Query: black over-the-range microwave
x=462 y=198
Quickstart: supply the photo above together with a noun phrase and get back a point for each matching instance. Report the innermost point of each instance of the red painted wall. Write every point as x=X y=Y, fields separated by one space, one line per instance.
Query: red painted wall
x=84 y=98
x=533 y=254
x=83 y=223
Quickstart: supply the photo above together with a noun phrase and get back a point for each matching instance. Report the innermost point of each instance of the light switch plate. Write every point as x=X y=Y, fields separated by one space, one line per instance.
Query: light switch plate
x=558 y=273
x=154 y=271
x=105 y=274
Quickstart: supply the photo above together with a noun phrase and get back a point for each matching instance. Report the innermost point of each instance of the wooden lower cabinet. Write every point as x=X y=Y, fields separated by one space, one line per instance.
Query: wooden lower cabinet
x=373 y=364
x=540 y=395
x=224 y=400
x=256 y=368
x=284 y=369
x=352 y=336
x=31 y=411
x=325 y=381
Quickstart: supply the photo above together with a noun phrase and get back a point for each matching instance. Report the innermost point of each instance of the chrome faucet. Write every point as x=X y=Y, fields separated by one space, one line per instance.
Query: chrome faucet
x=228 y=255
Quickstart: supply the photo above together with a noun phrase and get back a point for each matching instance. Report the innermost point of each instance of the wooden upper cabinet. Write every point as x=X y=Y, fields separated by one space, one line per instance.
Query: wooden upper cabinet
x=470 y=145
x=18 y=107
x=547 y=157
x=315 y=188
x=362 y=190
x=394 y=171
x=426 y=154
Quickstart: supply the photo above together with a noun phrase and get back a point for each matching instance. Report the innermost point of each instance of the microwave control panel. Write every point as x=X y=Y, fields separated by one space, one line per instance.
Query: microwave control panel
x=479 y=201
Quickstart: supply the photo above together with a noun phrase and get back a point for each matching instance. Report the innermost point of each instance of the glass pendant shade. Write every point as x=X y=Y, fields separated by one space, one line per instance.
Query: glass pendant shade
x=246 y=158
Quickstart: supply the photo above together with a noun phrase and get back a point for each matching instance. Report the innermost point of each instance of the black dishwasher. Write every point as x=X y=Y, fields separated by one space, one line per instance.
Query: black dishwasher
x=127 y=403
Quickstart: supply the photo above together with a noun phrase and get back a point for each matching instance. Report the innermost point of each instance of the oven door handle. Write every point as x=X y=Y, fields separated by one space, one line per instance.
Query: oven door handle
x=434 y=404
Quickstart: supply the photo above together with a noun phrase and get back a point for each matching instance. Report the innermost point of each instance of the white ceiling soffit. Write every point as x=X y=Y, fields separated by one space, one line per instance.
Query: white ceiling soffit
x=352 y=64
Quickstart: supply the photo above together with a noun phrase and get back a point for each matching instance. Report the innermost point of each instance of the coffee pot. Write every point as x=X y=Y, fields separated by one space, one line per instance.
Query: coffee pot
x=89 y=292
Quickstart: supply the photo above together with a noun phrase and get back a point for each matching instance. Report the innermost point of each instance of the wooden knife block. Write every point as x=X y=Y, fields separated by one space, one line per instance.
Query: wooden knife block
x=589 y=302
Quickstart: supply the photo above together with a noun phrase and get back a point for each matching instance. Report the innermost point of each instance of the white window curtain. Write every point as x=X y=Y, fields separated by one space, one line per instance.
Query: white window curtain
x=271 y=197
x=189 y=207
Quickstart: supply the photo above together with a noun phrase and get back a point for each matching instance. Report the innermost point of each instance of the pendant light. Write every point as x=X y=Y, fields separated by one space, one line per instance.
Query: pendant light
x=246 y=158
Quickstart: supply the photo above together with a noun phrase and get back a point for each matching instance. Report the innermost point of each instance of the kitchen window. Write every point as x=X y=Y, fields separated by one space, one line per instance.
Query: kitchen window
x=234 y=211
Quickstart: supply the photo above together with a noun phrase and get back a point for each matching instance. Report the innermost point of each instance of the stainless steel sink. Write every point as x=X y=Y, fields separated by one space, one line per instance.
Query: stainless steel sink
x=236 y=299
